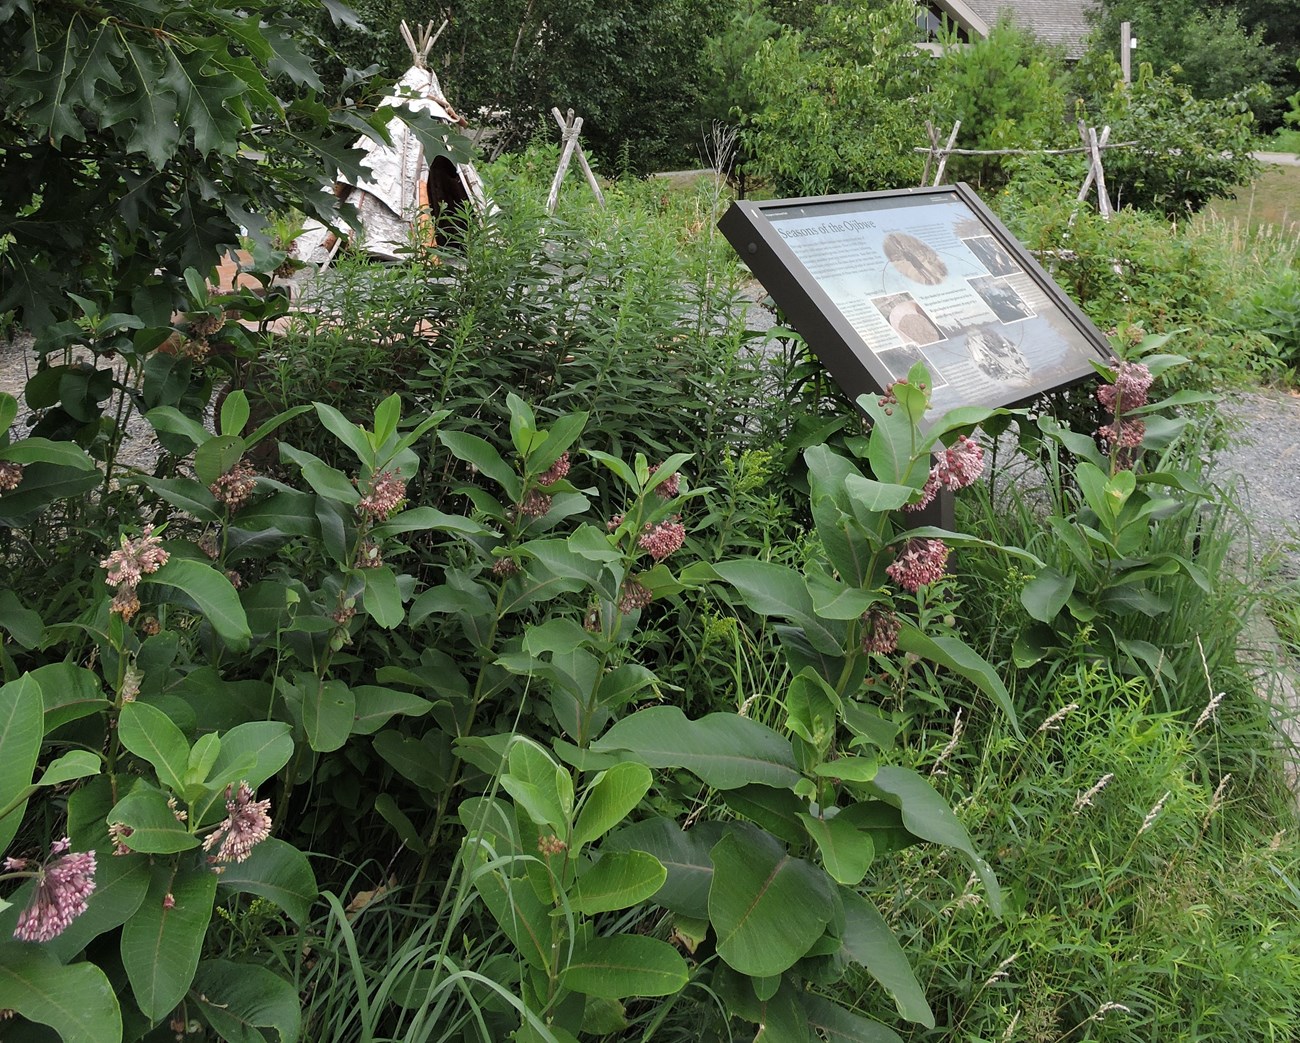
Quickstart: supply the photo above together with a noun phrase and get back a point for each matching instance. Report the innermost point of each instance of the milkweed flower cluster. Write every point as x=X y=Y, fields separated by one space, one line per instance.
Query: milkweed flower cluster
x=247 y=824
x=879 y=631
x=126 y=566
x=956 y=467
x=235 y=488
x=535 y=504
x=556 y=472
x=919 y=563
x=11 y=474
x=387 y=493
x=64 y=883
x=633 y=595
x=670 y=487
x=661 y=540
x=1129 y=392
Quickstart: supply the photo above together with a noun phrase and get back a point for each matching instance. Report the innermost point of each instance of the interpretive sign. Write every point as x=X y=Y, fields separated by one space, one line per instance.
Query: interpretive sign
x=879 y=281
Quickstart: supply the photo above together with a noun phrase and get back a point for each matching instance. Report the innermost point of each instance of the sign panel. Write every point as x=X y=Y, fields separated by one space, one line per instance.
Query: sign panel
x=879 y=281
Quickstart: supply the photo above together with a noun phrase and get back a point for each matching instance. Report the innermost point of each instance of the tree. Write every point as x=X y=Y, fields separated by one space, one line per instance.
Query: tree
x=839 y=107
x=141 y=138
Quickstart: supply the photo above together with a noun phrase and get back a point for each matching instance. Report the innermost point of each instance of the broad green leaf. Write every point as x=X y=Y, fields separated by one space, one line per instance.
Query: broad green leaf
x=480 y=453
x=212 y=593
x=207 y=748
x=154 y=828
x=328 y=710
x=185 y=493
x=324 y=480
x=512 y=903
x=928 y=816
x=120 y=885
x=8 y=411
x=22 y=717
x=70 y=691
x=1046 y=594
x=234 y=413
x=838 y=1025
x=777 y=590
x=684 y=854
x=533 y=781
x=375 y=706
x=875 y=496
x=609 y=800
x=383 y=600
x=22 y=624
x=42 y=485
x=258 y=748
x=170 y=420
x=161 y=945
x=75 y=764
x=422 y=519
x=239 y=998
x=626 y=965
x=149 y=733
x=387 y=414
x=216 y=456
x=351 y=435
x=959 y=657
x=847 y=852
x=869 y=942
x=387 y=809
x=43 y=450
x=725 y=750
x=767 y=907
x=620 y=880
x=76 y=1001
x=769 y=808
x=278 y=872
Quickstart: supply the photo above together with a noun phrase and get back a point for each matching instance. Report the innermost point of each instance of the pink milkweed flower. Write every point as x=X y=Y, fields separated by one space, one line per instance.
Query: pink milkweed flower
x=1129 y=392
x=957 y=467
x=919 y=563
x=879 y=631
x=63 y=887
x=555 y=472
x=133 y=559
x=662 y=539
x=387 y=493
x=11 y=475
x=247 y=824
x=670 y=486
x=235 y=487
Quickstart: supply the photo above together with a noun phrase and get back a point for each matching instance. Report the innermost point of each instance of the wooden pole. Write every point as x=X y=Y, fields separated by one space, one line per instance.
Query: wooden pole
x=1092 y=173
x=947 y=151
x=1125 y=51
x=1103 y=199
x=933 y=135
x=566 y=156
x=581 y=156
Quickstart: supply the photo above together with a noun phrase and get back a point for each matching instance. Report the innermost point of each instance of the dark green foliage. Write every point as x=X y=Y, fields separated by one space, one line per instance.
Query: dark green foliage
x=126 y=137
x=840 y=106
x=632 y=70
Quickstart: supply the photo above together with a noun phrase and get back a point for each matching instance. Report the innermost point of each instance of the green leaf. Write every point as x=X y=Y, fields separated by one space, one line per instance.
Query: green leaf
x=620 y=880
x=777 y=590
x=328 y=710
x=513 y=905
x=161 y=945
x=75 y=764
x=216 y=599
x=351 y=435
x=387 y=415
x=71 y=692
x=76 y=1001
x=609 y=800
x=421 y=519
x=539 y=786
x=875 y=496
x=120 y=886
x=847 y=852
x=927 y=815
x=238 y=998
x=626 y=965
x=480 y=453
x=383 y=601
x=838 y=1025
x=257 y=748
x=43 y=450
x=324 y=480
x=1046 y=594
x=149 y=733
x=234 y=413
x=869 y=942
x=725 y=750
x=960 y=658
x=170 y=420
x=375 y=706
x=42 y=485
x=23 y=625
x=217 y=456
x=154 y=829
x=683 y=853
x=21 y=730
x=278 y=872
x=767 y=907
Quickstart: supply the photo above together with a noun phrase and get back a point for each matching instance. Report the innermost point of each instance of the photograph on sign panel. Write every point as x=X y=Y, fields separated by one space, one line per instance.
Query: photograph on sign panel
x=926 y=272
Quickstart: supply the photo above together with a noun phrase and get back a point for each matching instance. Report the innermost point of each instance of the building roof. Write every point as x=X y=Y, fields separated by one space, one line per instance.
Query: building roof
x=1060 y=22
